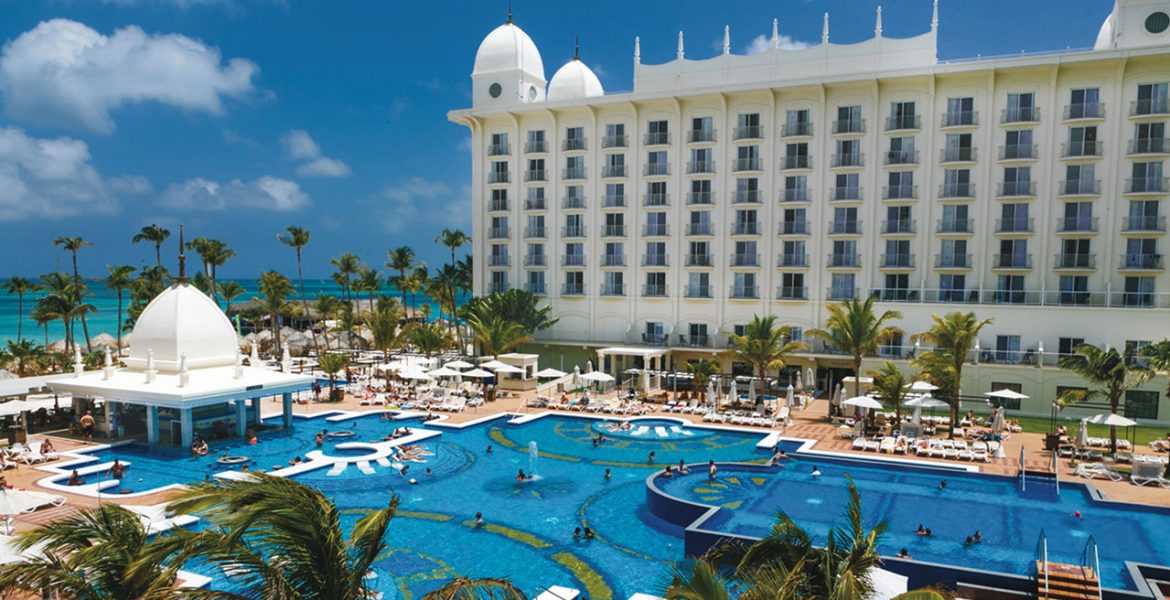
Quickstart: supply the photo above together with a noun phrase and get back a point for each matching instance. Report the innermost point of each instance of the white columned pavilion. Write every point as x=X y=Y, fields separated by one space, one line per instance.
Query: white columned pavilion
x=185 y=376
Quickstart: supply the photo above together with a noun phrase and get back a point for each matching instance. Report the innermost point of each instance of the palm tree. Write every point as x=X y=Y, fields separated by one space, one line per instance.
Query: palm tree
x=60 y=301
x=430 y=338
x=19 y=286
x=890 y=382
x=1158 y=356
x=453 y=239
x=331 y=365
x=953 y=336
x=400 y=259
x=765 y=346
x=274 y=290
x=72 y=245
x=370 y=282
x=230 y=290
x=100 y=552
x=414 y=283
x=1112 y=373
x=217 y=255
x=519 y=306
x=703 y=369
x=347 y=266
x=496 y=335
x=119 y=280
x=853 y=328
x=275 y=531
x=297 y=238
x=328 y=307
x=42 y=315
x=452 y=278
x=20 y=355
x=155 y=235
x=383 y=323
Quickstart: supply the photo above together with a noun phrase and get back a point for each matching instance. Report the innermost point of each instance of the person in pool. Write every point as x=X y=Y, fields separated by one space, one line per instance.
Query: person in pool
x=576 y=533
x=118 y=470
x=489 y=449
x=923 y=531
x=978 y=537
x=521 y=476
x=816 y=472
x=608 y=476
x=650 y=459
x=479 y=519
x=682 y=466
x=942 y=485
x=319 y=439
x=295 y=461
x=75 y=479
x=668 y=472
x=903 y=553
x=711 y=470
x=199 y=448
x=588 y=533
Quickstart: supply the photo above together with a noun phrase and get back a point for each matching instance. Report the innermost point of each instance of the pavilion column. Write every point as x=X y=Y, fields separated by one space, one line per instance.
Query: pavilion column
x=256 y=411
x=187 y=424
x=241 y=417
x=287 y=402
x=152 y=424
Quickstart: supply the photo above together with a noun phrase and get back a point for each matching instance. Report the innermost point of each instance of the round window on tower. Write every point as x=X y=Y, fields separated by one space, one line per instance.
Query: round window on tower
x=495 y=90
x=531 y=93
x=1157 y=22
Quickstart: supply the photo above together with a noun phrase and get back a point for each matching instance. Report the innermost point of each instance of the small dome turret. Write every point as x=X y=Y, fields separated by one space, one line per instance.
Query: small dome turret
x=575 y=80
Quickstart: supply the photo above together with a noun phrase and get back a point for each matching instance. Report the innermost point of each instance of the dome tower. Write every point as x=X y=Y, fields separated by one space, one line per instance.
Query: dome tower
x=574 y=81
x=508 y=69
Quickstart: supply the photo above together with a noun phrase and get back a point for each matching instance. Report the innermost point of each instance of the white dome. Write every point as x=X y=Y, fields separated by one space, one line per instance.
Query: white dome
x=507 y=48
x=1105 y=34
x=182 y=320
x=573 y=81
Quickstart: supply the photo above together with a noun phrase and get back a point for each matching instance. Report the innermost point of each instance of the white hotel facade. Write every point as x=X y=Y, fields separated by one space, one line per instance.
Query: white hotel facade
x=1029 y=189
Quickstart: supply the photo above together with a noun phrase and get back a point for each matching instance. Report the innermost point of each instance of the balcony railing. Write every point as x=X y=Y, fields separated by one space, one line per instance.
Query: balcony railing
x=800 y=161
x=745 y=228
x=613 y=230
x=1086 y=148
x=952 y=261
x=654 y=290
x=901 y=157
x=845 y=192
x=499 y=260
x=900 y=192
x=1076 y=224
x=535 y=287
x=613 y=171
x=497 y=233
x=655 y=229
x=572 y=289
x=792 y=259
x=1075 y=261
x=796 y=129
x=1013 y=261
x=497 y=205
x=570 y=144
x=960 y=118
x=700 y=198
x=1020 y=114
x=746 y=197
x=1080 y=187
x=749 y=132
x=535 y=260
x=702 y=228
x=841 y=293
x=536 y=175
x=901 y=122
x=701 y=166
x=696 y=136
x=699 y=260
x=656 y=169
x=1146 y=185
x=747 y=164
x=794 y=195
x=744 y=292
x=573 y=231
x=498 y=177
x=1084 y=110
x=1018 y=152
x=701 y=340
x=698 y=291
x=789 y=292
x=534 y=204
x=655 y=199
x=745 y=260
x=655 y=339
x=1144 y=223
x=613 y=289
x=573 y=173
x=573 y=260
x=956 y=226
x=899 y=260
x=849 y=126
x=848 y=159
x=497 y=287
x=956 y=190
x=534 y=231
x=894 y=294
x=845 y=260
x=615 y=141
x=1148 y=146
x=962 y=154
x=573 y=202
x=1147 y=107
x=613 y=201
x=794 y=227
x=899 y=226
x=656 y=139
x=536 y=147
x=1141 y=261
x=845 y=227
x=1013 y=225
x=1015 y=188
x=499 y=149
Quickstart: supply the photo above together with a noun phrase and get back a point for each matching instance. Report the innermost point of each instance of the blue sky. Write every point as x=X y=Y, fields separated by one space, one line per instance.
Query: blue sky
x=239 y=117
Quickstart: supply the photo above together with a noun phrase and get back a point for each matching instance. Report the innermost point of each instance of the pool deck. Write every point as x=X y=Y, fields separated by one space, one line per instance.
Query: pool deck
x=810 y=424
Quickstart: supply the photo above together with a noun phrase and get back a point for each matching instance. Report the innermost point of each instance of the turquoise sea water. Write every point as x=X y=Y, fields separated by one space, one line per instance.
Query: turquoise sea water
x=106 y=318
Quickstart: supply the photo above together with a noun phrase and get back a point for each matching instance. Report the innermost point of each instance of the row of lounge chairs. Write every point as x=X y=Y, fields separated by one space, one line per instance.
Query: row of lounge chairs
x=931 y=448
x=1102 y=471
x=747 y=418
x=27 y=454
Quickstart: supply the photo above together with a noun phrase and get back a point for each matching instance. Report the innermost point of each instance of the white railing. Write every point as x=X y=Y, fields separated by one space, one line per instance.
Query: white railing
x=1023 y=474
x=1056 y=472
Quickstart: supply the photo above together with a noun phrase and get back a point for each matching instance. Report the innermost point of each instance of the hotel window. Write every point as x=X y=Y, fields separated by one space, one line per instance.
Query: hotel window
x=960 y=111
x=848 y=186
x=536 y=282
x=499 y=200
x=744 y=286
x=1147 y=177
x=700 y=223
x=615 y=165
x=844 y=253
x=1074 y=289
x=958 y=148
x=1013 y=254
x=499 y=228
x=795 y=189
x=746 y=222
x=901 y=151
x=615 y=194
x=1080 y=179
x=746 y=255
x=897 y=287
x=747 y=126
x=655 y=193
x=848 y=153
x=574 y=254
x=954 y=219
x=697 y=334
x=700 y=254
x=615 y=224
x=901 y=185
x=1151 y=99
x=1082 y=141
x=615 y=135
x=655 y=223
x=1143 y=216
x=499 y=281
x=656 y=163
x=535 y=199
x=701 y=161
x=536 y=141
x=698 y=285
x=499 y=145
x=952 y=288
x=702 y=129
x=535 y=170
x=902 y=116
x=659 y=133
x=957 y=183
x=1132 y=352
x=1020 y=108
x=655 y=333
x=1149 y=138
x=953 y=254
x=655 y=284
x=898 y=253
x=535 y=227
x=574 y=138
x=613 y=283
x=1017 y=181
x=575 y=167
x=536 y=256
x=796 y=156
x=575 y=196
x=747 y=189
x=499 y=255
x=1078 y=216
x=655 y=254
x=1067 y=346
x=796 y=122
x=1139 y=291
x=1140 y=404
x=1084 y=104
x=794 y=221
x=792 y=254
x=1010 y=289
x=499 y=172
x=792 y=286
x=747 y=158
x=700 y=192
x=898 y=220
x=849 y=119
x=1142 y=254
x=1007 y=348
x=845 y=220
x=1014 y=218
x=842 y=286
x=574 y=283
x=1018 y=144
x=574 y=226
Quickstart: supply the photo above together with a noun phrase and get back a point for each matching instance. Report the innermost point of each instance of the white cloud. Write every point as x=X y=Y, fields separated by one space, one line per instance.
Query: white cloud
x=64 y=74
x=265 y=193
x=763 y=43
x=418 y=200
x=299 y=145
x=51 y=178
x=233 y=137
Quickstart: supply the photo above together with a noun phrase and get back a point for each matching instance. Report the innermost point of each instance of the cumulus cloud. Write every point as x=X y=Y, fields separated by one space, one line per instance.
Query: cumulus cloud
x=763 y=43
x=419 y=200
x=62 y=73
x=299 y=145
x=51 y=178
x=265 y=193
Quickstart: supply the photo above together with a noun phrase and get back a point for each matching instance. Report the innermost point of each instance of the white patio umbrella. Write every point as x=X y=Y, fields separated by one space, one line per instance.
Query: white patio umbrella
x=493 y=365
x=443 y=372
x=415 y=375
x=1111 y=419
x=477 y=374
x=921 y=386
x=864 y=402
x=550 y=373
x=459 y=364
x=733 y=393
x=597 y=376
x=926 y=401
x=809 y=378
x=1082 y=435
x=799 y=382
x=15 y=502
x=589 y=366
x=1006 y=394
x=508 y=369
x=711 y=393
x=576 y=375
x=752 y=392
x=788 y=400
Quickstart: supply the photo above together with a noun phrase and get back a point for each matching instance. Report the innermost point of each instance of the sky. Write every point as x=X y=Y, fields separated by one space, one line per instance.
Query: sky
x=237 y=118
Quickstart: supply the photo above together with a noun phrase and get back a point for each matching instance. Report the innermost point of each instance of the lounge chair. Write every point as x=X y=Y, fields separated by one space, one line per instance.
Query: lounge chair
x=1097 y=471
x=887 y=445
x=1143 y=481
x=859 y=443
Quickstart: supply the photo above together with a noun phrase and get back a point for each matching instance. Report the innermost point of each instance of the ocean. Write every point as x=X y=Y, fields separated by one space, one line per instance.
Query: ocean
x=106 y=301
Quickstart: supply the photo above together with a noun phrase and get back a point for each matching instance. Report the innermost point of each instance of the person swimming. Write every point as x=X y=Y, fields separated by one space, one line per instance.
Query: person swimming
x=489 y=449
x=923 y=531
x=577 y=533
x=608 y=476
x=521 y=476
x=1078 y=515
x=650 y=459
x=75 y=479
x=711 y=470
x=903 y=553
x=479 y=519
x=942 y=485
x=682 y=466
x=588 y=533
x=667 y=472
x=816 y=472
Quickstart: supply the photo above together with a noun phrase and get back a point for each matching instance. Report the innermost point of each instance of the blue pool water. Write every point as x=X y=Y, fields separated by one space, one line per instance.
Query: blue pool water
x=528 y=532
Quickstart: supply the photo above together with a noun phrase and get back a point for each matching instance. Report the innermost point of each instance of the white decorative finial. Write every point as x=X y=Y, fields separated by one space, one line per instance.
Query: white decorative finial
x=239 y=372
x=680 y=45
x=108 y=366
x=825 y=30
x=877 y=29
x=78 y=366
x=934 y=17
x=726 y=39
x=184 y=373
x=254 y=359
x=150 y=371
x=637 y=50
x=775 y=33
x=286 y=361
x=109 y=360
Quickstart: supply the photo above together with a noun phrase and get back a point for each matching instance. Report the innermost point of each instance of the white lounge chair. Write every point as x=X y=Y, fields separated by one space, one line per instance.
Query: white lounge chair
x=1143 y=481
x=1097 y=471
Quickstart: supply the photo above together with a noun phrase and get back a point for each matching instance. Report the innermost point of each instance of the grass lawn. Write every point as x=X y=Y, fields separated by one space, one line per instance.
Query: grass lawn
x=1140 y=435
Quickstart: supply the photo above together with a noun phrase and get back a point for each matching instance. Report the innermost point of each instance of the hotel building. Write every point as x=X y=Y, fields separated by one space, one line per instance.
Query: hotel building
x=1029 y=189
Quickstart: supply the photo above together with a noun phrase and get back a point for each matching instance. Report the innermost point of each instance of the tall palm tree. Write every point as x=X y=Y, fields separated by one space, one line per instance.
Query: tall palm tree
x=890 y=382
x=229 y=291
x=400 y=259
x=331 y=365
x=19 y=286
x=43 y=315
x=22 y=356
x=414 y=283
x=155 y=235
x=274 y=290
x=1158 y=355
x=1112 y=373
x=119 y=280
x=953 y=336
x=72 y=245
x=764 y=345
x=347 y=266
x=496 y=335
x=703 y=370
x=453 y=239
x=217 y=255
x=297 y=238
x=370 y=282
x=60 y=301
x=103 y=552
x=853 y=328
x=328 y=308
x=383 y=322
x=430 y=338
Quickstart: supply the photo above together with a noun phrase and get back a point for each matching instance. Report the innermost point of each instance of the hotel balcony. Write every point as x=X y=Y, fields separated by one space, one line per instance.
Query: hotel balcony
x=794 y=227
x=613 y=289
x=894 y=294
x=747 y=164
x=652 y=169
x=1146 y=185
x=1018 y=152
x=653 y=290
x=535 y=287
x=900 y=260
x=745 y=228
x=615 y=141
x=497 y=205
x=655 y=339
x=497 y=233
x=745 y=260
x=572 y=289
x=573 y=202
x=701 y=340
x=841 y=293
x=613 y=201
x=844 y=126
x=499 y=260
x=903 y=122
x=954 y=155
x=899 y=226
x=1141 y=262
x=571 y=144
x=534 y=204
x=535 y=260
x=573 y=231
x=613 y=171
x=700 y=167
x=654 y=260
x=613 y=231
x=744 y=292
x=845 y=193
x=848 y=261
x=656 y=229
x=1144 y=223
x=1084 y=110
x=1081 y=149
x=1020 y=114
x=496 y=287
x=956 y=190
x=792 y=259
x=955 y=226
x=1076 y=225
x=700 y=260
x=1148 y=146
x=700 y=229
x=749 y=132
x=1075 y=261
x=573 y=260
x=952 y=261
x=794 y=195
x=746 y=197
x=656 y=139
x=1012 y=189
x=845 y=227
x=536 y=175
x=1014 y=225
x=797 y=129
x=613 y=260
x=538 y=147
x=1012 y=261
x=698 y=291
x=960 y=118
x=534 y=232
x=899 y=192
x=499 y=149
x=1149 y=108
x=700 y=198
x=698 y=136
x=800 y=161
x=498 y=177
x=655 y=199
x=789 y=292
x=901 y=157
x=848 y=159
x=573 y=173
x=1080 y=187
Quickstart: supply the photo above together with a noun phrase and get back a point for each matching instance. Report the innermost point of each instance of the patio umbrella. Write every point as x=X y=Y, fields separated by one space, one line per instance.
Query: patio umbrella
x=788 y=400
x=443 y=372
x=809 y=378
x=589 y=366
x=711 y=393
x=576 y=375
x=799 y=382
x=550 y=373
x=459 y=364
x=864 y=402
x=997 y=421
x=477 y=374
x=751 y=392
x=1111 y=419
x=921 y=386
x=15 y=502
x=508 y=369
x=733 y=393
x=1082 y=435
x=598 y=377
x=415 y=375
x=493 y=365
x=1006 y=394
